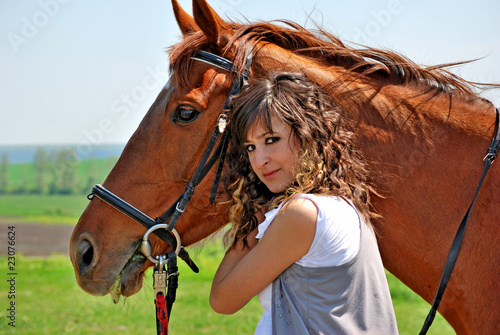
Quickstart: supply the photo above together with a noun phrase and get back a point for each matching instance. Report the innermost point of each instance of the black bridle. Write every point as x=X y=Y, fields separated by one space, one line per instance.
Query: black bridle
x=206 y=163
x=213 y=153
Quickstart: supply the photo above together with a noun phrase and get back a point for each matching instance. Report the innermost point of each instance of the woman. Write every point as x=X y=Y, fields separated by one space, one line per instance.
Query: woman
x=313 y=259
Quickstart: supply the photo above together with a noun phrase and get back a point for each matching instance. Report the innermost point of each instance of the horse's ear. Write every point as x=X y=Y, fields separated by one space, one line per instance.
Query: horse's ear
x=184 y=20
x=215 y=28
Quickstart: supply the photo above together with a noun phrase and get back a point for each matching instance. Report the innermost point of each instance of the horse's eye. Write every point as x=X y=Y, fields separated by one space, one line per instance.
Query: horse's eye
x=185 y=114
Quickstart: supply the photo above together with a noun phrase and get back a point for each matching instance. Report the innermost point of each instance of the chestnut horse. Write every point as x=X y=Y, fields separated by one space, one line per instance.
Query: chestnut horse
x=423 y=130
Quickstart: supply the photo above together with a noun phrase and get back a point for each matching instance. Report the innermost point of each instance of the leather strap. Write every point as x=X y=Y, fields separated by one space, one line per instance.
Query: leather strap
x=135 y=214
x=457 y=242
x=173 y=280
x=220 y=62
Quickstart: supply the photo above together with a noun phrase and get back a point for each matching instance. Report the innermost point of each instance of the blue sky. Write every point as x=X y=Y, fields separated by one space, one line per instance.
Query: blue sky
x=85 y=72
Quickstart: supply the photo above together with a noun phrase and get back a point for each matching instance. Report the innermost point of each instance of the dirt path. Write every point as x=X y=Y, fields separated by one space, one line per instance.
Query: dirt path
x=35 y=239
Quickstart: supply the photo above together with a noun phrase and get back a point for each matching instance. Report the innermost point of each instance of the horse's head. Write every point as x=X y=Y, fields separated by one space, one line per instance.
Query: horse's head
x=157 y=162
x=162 y=155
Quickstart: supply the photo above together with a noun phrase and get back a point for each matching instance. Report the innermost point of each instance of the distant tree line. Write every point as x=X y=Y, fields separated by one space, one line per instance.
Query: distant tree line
x=54 y=172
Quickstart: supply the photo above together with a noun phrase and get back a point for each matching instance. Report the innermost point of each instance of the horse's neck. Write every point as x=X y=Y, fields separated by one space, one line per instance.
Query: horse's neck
x=404 y=130
x=425 y=152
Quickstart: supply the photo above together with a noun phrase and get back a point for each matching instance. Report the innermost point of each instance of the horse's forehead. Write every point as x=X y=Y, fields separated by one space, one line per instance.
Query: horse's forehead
x=213 y=81
x=204 y=86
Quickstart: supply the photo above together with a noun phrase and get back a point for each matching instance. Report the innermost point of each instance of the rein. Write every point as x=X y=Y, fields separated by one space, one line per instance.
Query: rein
x=163 y=278
x=491 y=154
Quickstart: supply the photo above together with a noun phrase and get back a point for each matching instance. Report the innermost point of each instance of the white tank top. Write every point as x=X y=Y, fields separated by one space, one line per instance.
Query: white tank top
x=336 y=242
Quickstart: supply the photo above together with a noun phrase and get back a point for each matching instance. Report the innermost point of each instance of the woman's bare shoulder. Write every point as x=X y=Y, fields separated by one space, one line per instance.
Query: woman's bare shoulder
x=299 y=210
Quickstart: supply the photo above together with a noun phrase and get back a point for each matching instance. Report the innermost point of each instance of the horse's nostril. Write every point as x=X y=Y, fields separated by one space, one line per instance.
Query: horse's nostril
x=86 y=254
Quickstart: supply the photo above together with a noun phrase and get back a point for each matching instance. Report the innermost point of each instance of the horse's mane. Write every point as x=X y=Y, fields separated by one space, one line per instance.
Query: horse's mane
x=326 y=50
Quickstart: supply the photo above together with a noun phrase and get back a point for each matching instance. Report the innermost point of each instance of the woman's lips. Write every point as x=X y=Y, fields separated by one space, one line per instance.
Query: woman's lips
x=269 y=175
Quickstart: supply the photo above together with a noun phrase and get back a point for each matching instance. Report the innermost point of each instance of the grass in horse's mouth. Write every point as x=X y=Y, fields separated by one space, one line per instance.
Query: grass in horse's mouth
x=133 y=265
x=116 y=289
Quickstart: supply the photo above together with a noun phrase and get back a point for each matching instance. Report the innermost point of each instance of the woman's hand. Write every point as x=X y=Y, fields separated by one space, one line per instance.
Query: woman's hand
x=260 y=215
x=251 y=240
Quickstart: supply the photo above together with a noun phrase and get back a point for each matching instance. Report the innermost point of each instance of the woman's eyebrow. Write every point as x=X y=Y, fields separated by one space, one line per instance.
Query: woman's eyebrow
x=270 y=132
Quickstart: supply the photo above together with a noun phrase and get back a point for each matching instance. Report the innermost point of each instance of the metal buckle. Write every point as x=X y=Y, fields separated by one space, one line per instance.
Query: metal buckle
x=222 y=122
x=180 y=210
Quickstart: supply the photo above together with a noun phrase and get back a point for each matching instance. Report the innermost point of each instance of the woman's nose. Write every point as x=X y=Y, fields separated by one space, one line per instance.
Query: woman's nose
x=261 y=158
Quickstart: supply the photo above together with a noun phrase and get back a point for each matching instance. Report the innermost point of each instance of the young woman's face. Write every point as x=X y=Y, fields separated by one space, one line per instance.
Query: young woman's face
x=273 y=154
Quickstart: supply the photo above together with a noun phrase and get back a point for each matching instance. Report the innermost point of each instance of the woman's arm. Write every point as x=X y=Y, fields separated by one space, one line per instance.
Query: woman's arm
x=246 y=271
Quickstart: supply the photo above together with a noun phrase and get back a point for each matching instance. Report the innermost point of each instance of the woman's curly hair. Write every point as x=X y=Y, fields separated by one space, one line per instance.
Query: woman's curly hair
x=329 y=164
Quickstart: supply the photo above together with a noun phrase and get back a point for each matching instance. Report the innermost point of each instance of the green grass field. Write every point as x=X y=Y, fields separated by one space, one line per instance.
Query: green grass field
x=53 y=208
x=23 y=178
x=60 y=209
x=48 y=301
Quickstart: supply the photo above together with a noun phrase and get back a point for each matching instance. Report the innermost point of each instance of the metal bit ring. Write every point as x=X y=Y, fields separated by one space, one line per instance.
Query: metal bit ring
x=146 y=246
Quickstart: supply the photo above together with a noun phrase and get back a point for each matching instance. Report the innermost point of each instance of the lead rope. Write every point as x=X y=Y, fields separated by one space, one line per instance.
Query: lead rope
x=457 y=241
x=161 y=315
x=165 y=282
x=159 y=285
x=161 y=281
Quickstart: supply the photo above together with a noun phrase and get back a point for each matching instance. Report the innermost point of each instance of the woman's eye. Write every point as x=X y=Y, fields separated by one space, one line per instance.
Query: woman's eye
x=185 y=114
x=271 y=140
x=250 y=147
